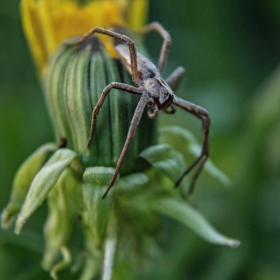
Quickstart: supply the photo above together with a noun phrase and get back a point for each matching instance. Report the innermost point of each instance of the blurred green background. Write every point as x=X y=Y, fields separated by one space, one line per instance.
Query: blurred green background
x=231 y=51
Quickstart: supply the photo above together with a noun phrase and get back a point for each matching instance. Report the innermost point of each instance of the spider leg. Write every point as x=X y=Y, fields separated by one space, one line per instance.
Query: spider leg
x=98 y=105
x=131 y=132
x=205 y=118
x=175 y=78
x=171 y=111
x=155 y=26
x=153 y=114
x=131 y=45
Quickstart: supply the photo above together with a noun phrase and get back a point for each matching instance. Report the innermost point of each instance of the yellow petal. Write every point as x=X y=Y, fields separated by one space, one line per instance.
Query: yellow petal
x=48 y=22
x=138 y=13
x=34 y=31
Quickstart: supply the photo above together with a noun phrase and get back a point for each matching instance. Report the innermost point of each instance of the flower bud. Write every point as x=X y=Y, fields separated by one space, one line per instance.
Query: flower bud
x=74 y=81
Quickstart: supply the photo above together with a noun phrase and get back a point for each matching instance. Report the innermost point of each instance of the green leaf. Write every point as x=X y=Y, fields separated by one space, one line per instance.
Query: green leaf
x=166 y=159
x=132 y=184
x=96 y=181
x=211 y=168
x=110 y=250
x=58 y=226
x=181 y=211
x=66 y=260
x=176 y=133
x=93 y=260
x=43 y=183
x=22 y=181
x=135 y=195
x=185 y=142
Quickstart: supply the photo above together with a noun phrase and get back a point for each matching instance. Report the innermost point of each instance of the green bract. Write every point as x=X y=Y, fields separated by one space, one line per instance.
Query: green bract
x=123 y=227
x=74 y=81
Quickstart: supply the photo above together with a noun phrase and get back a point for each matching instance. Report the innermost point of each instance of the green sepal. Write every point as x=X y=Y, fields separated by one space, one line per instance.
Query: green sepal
x=110 y=247
x=132 y=184
x=166 y=159
x=181 y=211
x=185 y=143
x=57 y=228
x=135 y=196
x=117 y=113
x=22 y=181
x=53 y=89
x=65 y=262
x=96 y=180
x=43 y=183
x=77 y=100
x=93 y=260
x=211 y=168
x=140 y=218
x=101 y=143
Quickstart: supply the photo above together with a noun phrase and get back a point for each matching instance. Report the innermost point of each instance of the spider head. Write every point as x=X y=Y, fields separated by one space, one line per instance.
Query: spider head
x=158 y=89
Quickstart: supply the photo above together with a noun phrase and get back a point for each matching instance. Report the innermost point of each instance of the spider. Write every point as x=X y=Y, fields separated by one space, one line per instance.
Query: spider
x=154 y=92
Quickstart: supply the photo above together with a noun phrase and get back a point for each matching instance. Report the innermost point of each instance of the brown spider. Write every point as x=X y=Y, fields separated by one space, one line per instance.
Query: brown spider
x=154 y=91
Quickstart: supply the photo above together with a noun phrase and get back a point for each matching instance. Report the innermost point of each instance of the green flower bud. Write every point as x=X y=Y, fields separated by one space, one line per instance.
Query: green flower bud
x=74 y=81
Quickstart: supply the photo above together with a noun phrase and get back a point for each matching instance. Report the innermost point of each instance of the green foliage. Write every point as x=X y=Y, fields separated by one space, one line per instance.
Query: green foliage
x=230 y=50
x=43 y=183
x=23 y=180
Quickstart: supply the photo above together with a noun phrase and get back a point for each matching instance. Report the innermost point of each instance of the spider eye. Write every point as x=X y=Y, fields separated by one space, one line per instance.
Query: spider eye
x=151 y=75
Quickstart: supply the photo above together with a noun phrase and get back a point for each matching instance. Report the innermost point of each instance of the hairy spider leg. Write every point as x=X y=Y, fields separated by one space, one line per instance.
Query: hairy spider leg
x=131 y=132
x=175 y=78
x=131 y=45
x=204 y=116
x=101 y=99
x=155 y=26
